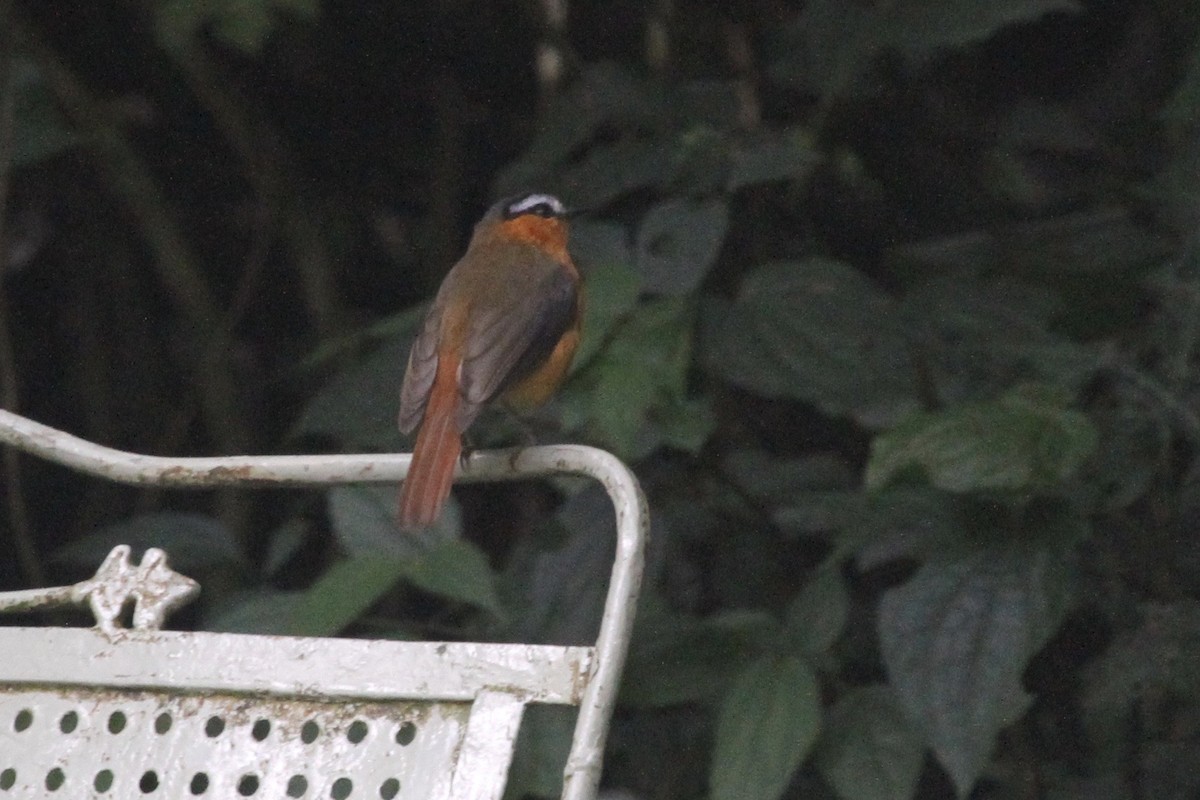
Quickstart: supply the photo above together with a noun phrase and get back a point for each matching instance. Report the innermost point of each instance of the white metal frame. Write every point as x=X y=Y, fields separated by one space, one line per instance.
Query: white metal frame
x=585 y=676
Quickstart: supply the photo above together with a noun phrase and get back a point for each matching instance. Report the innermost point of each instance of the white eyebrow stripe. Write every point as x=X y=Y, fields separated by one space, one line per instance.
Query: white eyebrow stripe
x=526 y=203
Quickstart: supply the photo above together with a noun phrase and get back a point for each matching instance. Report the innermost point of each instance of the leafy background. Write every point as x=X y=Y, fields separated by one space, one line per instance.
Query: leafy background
x=894 y=306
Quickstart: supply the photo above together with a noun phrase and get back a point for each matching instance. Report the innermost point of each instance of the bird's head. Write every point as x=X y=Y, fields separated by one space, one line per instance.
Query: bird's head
x=532 y=218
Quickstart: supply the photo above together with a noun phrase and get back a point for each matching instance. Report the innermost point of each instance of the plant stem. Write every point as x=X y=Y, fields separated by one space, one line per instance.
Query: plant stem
x=14 y=493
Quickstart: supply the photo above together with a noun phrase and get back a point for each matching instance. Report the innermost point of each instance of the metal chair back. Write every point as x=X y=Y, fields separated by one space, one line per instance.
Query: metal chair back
x=116 y=712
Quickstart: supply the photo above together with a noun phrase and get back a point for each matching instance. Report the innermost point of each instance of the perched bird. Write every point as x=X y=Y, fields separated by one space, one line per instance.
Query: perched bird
x=505 y=324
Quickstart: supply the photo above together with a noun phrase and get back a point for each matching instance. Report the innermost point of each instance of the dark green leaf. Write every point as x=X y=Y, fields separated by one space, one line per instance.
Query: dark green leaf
x=1155 y=659
x=541 y=751
x=242 y=24
x=700 y=162
x=1038 y=126
x=610 y=171
x=358 y=406
x=816 y=512
x=605 y=96
x=766 y=725
x=1135 y=445
x=677 y=243
x=818 y=331
x=686 y=424
x=816 y=617
x=629 y=397
x=264 y=612
x=1100 y=240
x=678 y=659
x=611 y=284
x=363 y=519
x=905 y=523
x=831 y=46
x=709 y=104
x=343 y=594
x=39 y=130
x=597 y=245
x=245 y=24
x=1019 y=442
x=869 y=750
x=191 y=541
x=979 y=336
x=826 y=49
x=771 y=156
x=458 y=570
x=956 y=638
x=765 y=476
x=923 y=27
x=1183 y=108
x=283 y=544
x=556 y=585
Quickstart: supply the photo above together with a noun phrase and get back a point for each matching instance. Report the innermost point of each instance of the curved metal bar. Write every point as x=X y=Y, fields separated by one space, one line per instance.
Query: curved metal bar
x=582 y=773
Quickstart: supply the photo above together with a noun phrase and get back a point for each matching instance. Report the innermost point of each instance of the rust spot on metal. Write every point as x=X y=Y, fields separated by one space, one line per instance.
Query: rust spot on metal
x=232 y=474
x=581 y=675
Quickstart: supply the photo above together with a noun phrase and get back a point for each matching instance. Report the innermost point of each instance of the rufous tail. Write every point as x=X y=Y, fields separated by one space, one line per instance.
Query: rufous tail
x=438 y=447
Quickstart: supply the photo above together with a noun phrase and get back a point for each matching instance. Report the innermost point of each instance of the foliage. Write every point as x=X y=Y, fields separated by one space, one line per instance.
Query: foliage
x=893 y=306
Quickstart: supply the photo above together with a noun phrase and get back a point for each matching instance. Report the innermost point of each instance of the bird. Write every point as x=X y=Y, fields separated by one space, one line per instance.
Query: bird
x=504 y=324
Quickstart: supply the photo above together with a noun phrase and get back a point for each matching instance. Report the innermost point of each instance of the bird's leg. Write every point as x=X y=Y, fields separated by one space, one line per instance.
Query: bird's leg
x=524 y=428
x=468 y=448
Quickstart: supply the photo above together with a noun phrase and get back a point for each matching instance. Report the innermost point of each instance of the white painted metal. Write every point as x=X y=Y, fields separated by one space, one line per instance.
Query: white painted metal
x=285 y=666
x=487 y=747
x=229 y=676
x=154 y=589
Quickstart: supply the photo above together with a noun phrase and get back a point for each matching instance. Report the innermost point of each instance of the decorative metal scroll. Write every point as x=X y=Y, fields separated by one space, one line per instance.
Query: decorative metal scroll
x=154 y=589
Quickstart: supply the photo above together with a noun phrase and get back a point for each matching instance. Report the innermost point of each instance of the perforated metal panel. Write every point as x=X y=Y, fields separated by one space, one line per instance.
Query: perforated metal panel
x=133 y=713
x=129 y=744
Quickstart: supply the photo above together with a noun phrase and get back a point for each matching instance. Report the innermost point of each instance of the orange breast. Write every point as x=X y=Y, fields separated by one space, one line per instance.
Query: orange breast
x=536 y=388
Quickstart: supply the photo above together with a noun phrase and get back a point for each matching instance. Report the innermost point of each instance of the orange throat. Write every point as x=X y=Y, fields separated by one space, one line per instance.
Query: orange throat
x=548 y=235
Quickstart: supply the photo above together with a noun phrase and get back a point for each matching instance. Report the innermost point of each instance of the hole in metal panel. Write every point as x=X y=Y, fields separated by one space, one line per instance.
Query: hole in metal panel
x=162 y=723
x=103 y=781
x=341 y=789
x=69 y=722
x=199 y=784
x=406 y=734
x=23 y=721
x=214 y=727
x=357 y=731
x=7 y=778
x=116 y=722
x=148 y=782
x=309 y=731
x=297 y=786
x=389 y=789
x=55 y=779
x=248 y=785
x=261 y=729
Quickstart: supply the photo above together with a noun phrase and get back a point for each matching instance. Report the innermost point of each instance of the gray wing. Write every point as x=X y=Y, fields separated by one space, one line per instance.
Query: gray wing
x=506 y=344
x=419 y=375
